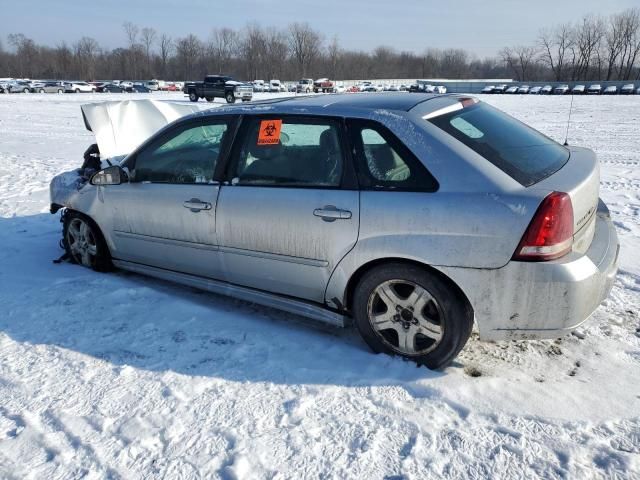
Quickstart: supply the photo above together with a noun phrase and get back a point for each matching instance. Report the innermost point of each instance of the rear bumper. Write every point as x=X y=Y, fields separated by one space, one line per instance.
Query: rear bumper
x=525 y=300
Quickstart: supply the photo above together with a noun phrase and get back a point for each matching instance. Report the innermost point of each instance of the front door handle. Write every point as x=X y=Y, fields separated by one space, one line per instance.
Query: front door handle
x=195 y=205
x=330 y=213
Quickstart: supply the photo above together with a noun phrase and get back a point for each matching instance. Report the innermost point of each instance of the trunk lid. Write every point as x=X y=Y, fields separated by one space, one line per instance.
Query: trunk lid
x=580 y=178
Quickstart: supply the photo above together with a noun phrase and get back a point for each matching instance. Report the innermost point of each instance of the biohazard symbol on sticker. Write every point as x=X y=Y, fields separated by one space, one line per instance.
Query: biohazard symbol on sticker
x=269 y=133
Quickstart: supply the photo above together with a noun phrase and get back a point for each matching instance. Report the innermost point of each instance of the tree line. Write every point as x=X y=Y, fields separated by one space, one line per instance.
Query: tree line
x=593 y=48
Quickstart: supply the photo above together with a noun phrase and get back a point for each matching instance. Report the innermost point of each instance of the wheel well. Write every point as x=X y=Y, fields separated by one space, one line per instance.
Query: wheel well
x=93 y=223
x=360 y=272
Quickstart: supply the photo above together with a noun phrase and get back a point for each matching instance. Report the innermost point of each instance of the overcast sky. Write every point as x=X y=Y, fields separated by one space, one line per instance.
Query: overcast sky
x=482 y=27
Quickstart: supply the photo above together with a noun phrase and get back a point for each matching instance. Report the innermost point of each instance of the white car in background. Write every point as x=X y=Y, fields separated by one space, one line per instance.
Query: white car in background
x=579 y=90
x=535 y=90
x=79 y=87
x=546 y=90
x=440 y=89
x=339 y=88
x=513 y=89
x=610 y=90
x=627 y=89
x=275 y=86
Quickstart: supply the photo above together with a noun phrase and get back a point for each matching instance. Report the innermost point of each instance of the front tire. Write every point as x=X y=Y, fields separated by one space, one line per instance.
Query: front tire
x=84 y=243
x=230 y=97
x=402 y=309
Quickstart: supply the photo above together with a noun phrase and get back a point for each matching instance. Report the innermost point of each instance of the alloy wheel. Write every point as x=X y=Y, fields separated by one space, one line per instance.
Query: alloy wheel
x=406 y=317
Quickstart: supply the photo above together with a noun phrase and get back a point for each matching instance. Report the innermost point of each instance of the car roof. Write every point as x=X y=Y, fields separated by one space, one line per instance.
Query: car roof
x=329 y=104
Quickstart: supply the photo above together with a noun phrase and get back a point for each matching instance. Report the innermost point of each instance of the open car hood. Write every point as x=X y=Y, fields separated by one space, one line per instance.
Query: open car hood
x=120 y=127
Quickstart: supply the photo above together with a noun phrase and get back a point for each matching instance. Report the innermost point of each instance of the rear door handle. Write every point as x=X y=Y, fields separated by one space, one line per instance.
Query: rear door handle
x=195 y=205
x=330 y=213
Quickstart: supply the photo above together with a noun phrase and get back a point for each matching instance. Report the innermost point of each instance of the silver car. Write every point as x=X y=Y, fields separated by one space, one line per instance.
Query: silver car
x=49 y=87
x=414 y=217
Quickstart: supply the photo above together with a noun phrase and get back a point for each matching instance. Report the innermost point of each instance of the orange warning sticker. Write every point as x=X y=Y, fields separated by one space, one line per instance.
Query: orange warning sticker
x=269 y=133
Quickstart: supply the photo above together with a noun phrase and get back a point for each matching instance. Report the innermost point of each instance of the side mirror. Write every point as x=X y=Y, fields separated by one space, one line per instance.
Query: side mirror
x=113 y=175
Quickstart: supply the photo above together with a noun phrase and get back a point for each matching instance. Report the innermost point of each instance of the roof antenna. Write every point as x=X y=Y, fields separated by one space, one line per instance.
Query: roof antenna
x=566 y=136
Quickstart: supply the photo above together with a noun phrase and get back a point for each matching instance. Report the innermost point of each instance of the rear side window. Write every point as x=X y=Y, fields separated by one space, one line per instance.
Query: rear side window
x=521 y=152
x=384 y=163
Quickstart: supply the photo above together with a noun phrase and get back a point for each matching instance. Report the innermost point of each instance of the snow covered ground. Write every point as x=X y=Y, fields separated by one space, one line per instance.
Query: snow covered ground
x=119 y=376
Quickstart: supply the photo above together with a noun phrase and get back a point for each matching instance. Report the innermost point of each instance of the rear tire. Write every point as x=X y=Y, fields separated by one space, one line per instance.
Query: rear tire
x=402 y=309
x=84 y=243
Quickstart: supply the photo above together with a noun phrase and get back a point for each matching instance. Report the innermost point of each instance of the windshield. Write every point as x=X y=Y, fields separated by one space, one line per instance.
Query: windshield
x=518 y=150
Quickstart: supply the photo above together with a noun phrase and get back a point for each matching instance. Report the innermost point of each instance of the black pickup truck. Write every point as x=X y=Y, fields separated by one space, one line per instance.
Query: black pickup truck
x=218 y=86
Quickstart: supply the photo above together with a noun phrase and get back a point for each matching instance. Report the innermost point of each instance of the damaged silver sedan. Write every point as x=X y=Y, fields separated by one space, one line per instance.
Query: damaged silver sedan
x=412 y=216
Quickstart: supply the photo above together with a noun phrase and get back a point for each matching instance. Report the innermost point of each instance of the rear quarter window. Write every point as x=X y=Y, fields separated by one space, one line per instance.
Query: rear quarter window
x=518 y=150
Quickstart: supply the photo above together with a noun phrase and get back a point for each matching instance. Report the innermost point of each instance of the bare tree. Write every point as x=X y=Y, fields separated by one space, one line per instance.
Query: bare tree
x=166 y=47
x=253 y=50
x=189 y=50
x=222 y=46
x=519 y=60
x=148 y=38
x=305 y=44
x=333 y=56
x=85 y=51
x=554 y=45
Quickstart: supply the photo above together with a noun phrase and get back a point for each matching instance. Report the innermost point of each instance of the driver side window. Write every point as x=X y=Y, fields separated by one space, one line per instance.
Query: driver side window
x=189 y=156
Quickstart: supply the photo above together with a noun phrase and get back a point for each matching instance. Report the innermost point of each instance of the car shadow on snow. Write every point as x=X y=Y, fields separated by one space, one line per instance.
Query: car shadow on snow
x=129 y=319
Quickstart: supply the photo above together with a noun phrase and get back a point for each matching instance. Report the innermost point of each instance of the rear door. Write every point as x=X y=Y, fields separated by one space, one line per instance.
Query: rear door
x=166 y=215
x=289 y=211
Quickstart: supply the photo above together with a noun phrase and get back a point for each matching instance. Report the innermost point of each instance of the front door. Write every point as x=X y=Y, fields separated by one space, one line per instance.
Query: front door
x=166 y=215
x=289 y=210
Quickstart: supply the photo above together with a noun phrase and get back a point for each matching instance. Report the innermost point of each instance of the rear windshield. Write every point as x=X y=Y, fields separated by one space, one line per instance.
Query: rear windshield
x=518 y=150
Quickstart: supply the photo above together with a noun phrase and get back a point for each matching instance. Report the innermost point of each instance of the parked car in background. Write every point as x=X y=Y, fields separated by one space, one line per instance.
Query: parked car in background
x=258 y=86
x=610 y=90
x=535 y=90
x=304 y=85
x=638 y=91
x=422 y=86
x=546 y=90
x=394 y=88
x=500 y=88
x=404 y=88
x=524 y=89
x=627 y=89
x=140 y=88
x=415 y=249
x=488 y=89
x=79 y=87
x=594 y=89
x=323 y=85
x=51 y=87
x=219 y=86
x=274 y=86
x=339 y=88
x=19 y=86
x=511 y=90
x=561 y=90
x=112 y=88
x=578 y=90
x=152 y=85
x=126 y=84
x=440 y=89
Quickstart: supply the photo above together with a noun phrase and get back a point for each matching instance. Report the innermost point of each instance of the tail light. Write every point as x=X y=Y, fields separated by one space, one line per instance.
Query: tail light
x=550 y=233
